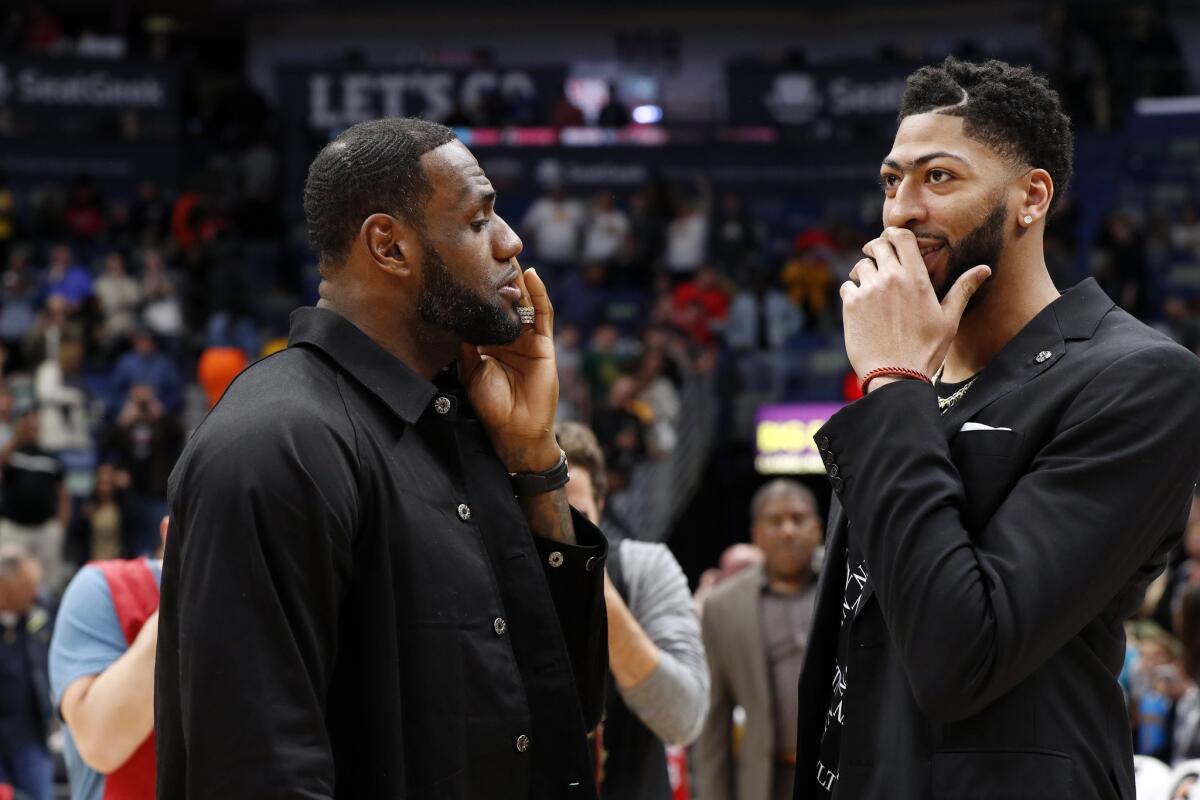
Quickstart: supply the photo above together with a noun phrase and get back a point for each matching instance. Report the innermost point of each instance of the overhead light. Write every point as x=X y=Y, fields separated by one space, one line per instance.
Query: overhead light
x=647 y=115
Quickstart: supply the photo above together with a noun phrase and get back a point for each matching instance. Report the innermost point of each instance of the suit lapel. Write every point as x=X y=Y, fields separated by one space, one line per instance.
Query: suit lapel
x=749 y=604
x=1036 y=348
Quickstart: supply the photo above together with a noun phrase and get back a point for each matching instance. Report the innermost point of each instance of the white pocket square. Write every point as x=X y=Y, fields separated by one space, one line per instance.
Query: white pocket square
x=979 y=426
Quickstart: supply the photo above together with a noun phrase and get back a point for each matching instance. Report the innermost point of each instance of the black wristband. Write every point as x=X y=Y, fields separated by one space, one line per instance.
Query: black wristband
x=527 y=484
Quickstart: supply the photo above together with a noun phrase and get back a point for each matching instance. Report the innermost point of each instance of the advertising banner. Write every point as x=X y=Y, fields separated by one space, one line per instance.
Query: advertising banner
x=784 y=442
x=835 y=95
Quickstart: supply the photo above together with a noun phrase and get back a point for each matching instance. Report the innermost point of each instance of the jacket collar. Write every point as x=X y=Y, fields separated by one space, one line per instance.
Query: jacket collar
x=405 y=392
x=1041 y=344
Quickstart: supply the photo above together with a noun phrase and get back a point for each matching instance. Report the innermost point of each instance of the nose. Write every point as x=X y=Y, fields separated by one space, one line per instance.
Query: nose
x=906 y=207
x=506 y=245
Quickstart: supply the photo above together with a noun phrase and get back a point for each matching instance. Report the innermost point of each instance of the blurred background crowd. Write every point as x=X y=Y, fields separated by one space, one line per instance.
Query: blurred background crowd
x=693 y=186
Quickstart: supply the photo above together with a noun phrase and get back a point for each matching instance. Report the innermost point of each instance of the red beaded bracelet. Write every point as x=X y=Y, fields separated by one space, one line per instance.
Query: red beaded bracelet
x=893 y=372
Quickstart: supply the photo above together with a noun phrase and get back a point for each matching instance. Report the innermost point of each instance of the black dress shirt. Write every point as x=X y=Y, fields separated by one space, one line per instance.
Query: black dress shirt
x=353 y=605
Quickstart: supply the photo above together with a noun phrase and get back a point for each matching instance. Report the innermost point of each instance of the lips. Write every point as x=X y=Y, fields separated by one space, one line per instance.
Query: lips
x=511 y=291
x=931 y=252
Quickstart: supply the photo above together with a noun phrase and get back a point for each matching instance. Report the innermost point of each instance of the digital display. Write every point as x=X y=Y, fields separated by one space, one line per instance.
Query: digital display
x=784 y=438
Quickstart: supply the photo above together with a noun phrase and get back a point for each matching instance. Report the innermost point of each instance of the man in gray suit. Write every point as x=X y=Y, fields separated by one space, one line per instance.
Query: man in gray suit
x=755 y=629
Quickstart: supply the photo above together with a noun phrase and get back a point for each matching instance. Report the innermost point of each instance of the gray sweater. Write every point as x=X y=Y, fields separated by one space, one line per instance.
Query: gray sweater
x=673 y=701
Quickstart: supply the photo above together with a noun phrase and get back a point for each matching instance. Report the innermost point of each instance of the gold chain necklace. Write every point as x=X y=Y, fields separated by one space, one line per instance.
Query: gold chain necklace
x=945 y=403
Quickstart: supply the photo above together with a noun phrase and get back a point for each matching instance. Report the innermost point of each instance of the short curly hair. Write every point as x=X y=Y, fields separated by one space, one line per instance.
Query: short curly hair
x=371 y=167
x=1011 y=109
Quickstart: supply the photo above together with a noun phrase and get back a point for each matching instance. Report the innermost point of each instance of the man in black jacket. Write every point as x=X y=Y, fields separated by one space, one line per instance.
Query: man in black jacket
x=1012 y=481
x=353 y=605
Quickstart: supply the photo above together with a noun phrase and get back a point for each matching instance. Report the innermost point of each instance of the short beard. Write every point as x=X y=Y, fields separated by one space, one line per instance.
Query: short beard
x=449 y=305
x=983 y=245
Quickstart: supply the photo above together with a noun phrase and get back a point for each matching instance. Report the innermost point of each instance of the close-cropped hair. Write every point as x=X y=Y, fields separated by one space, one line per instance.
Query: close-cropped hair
x=1010 y=109
x=373 y=167
x=777 y=488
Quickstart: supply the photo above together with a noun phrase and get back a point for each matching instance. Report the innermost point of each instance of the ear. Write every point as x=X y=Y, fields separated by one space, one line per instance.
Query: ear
x=1039 y=191
x=390 y=244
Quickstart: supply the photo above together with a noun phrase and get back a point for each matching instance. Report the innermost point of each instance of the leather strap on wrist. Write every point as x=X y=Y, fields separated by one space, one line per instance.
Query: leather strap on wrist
x=527 y=484
x=893 y=372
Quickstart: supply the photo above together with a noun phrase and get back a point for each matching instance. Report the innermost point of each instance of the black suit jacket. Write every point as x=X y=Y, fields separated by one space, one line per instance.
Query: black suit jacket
x=1003 y=562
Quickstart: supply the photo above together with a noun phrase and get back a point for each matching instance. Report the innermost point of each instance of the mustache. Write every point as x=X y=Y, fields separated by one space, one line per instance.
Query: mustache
x=508 y=277
x=940 y=237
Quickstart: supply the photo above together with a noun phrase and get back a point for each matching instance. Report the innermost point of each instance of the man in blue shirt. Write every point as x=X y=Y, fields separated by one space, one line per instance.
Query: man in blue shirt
x=25 y=761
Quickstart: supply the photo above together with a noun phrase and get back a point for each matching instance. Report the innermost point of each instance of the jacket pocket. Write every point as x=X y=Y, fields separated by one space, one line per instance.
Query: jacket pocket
x=998 y=774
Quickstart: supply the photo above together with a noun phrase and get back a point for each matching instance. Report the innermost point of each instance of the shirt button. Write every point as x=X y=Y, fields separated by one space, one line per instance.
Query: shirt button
x=556 y=559
x=442 y=405
x=464 y=512
x=833 y=470
x=500 y=626
x=522 y=743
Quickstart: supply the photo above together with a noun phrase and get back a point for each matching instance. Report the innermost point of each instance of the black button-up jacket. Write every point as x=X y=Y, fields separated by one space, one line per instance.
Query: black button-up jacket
x=353 y=605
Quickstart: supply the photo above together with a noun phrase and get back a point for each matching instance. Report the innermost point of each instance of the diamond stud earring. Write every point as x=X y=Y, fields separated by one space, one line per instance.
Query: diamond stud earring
x=1028 y=219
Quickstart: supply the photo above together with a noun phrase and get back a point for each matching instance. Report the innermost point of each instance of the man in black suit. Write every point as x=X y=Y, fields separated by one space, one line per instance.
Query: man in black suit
x=1011 y=482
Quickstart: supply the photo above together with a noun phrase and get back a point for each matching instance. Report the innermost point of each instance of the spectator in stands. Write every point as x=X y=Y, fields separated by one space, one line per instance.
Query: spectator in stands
x=119 y=297
x=151 y=213
x=701 y=305
x=1124 y=269
x=687 y=236
x=1185 y=232
x=654 y=399
x=1184 y=575
x=755 y=630
x=54 y=325
x=144 y=365
x=605 y=229
x=96 y=531
x=1185 y=730
x=736 y=238
x=808 y=277
x=637 y=257
x=552 y=227
x=67 y=278
x=121 y=235
x=761 y=319
x=18 y=300
x=658 y=678
x=613 y=114
x=36 y=506
x=161 y=311
x=25 y=715
x=8 y=217
x=84 y=214
x=573 y=402
x=102 y=677
x=144 y=443
x=62 y=401
x=602 y=363
x=1157 y=684
x=565 y=114
x=7 y=422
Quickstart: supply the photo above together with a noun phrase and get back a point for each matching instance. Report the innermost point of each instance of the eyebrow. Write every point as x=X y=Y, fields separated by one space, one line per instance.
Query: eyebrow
x=469 y=195
x=925 y=159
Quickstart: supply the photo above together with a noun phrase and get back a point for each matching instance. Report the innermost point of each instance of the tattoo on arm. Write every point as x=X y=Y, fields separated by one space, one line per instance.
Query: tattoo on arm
x=549 y=516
